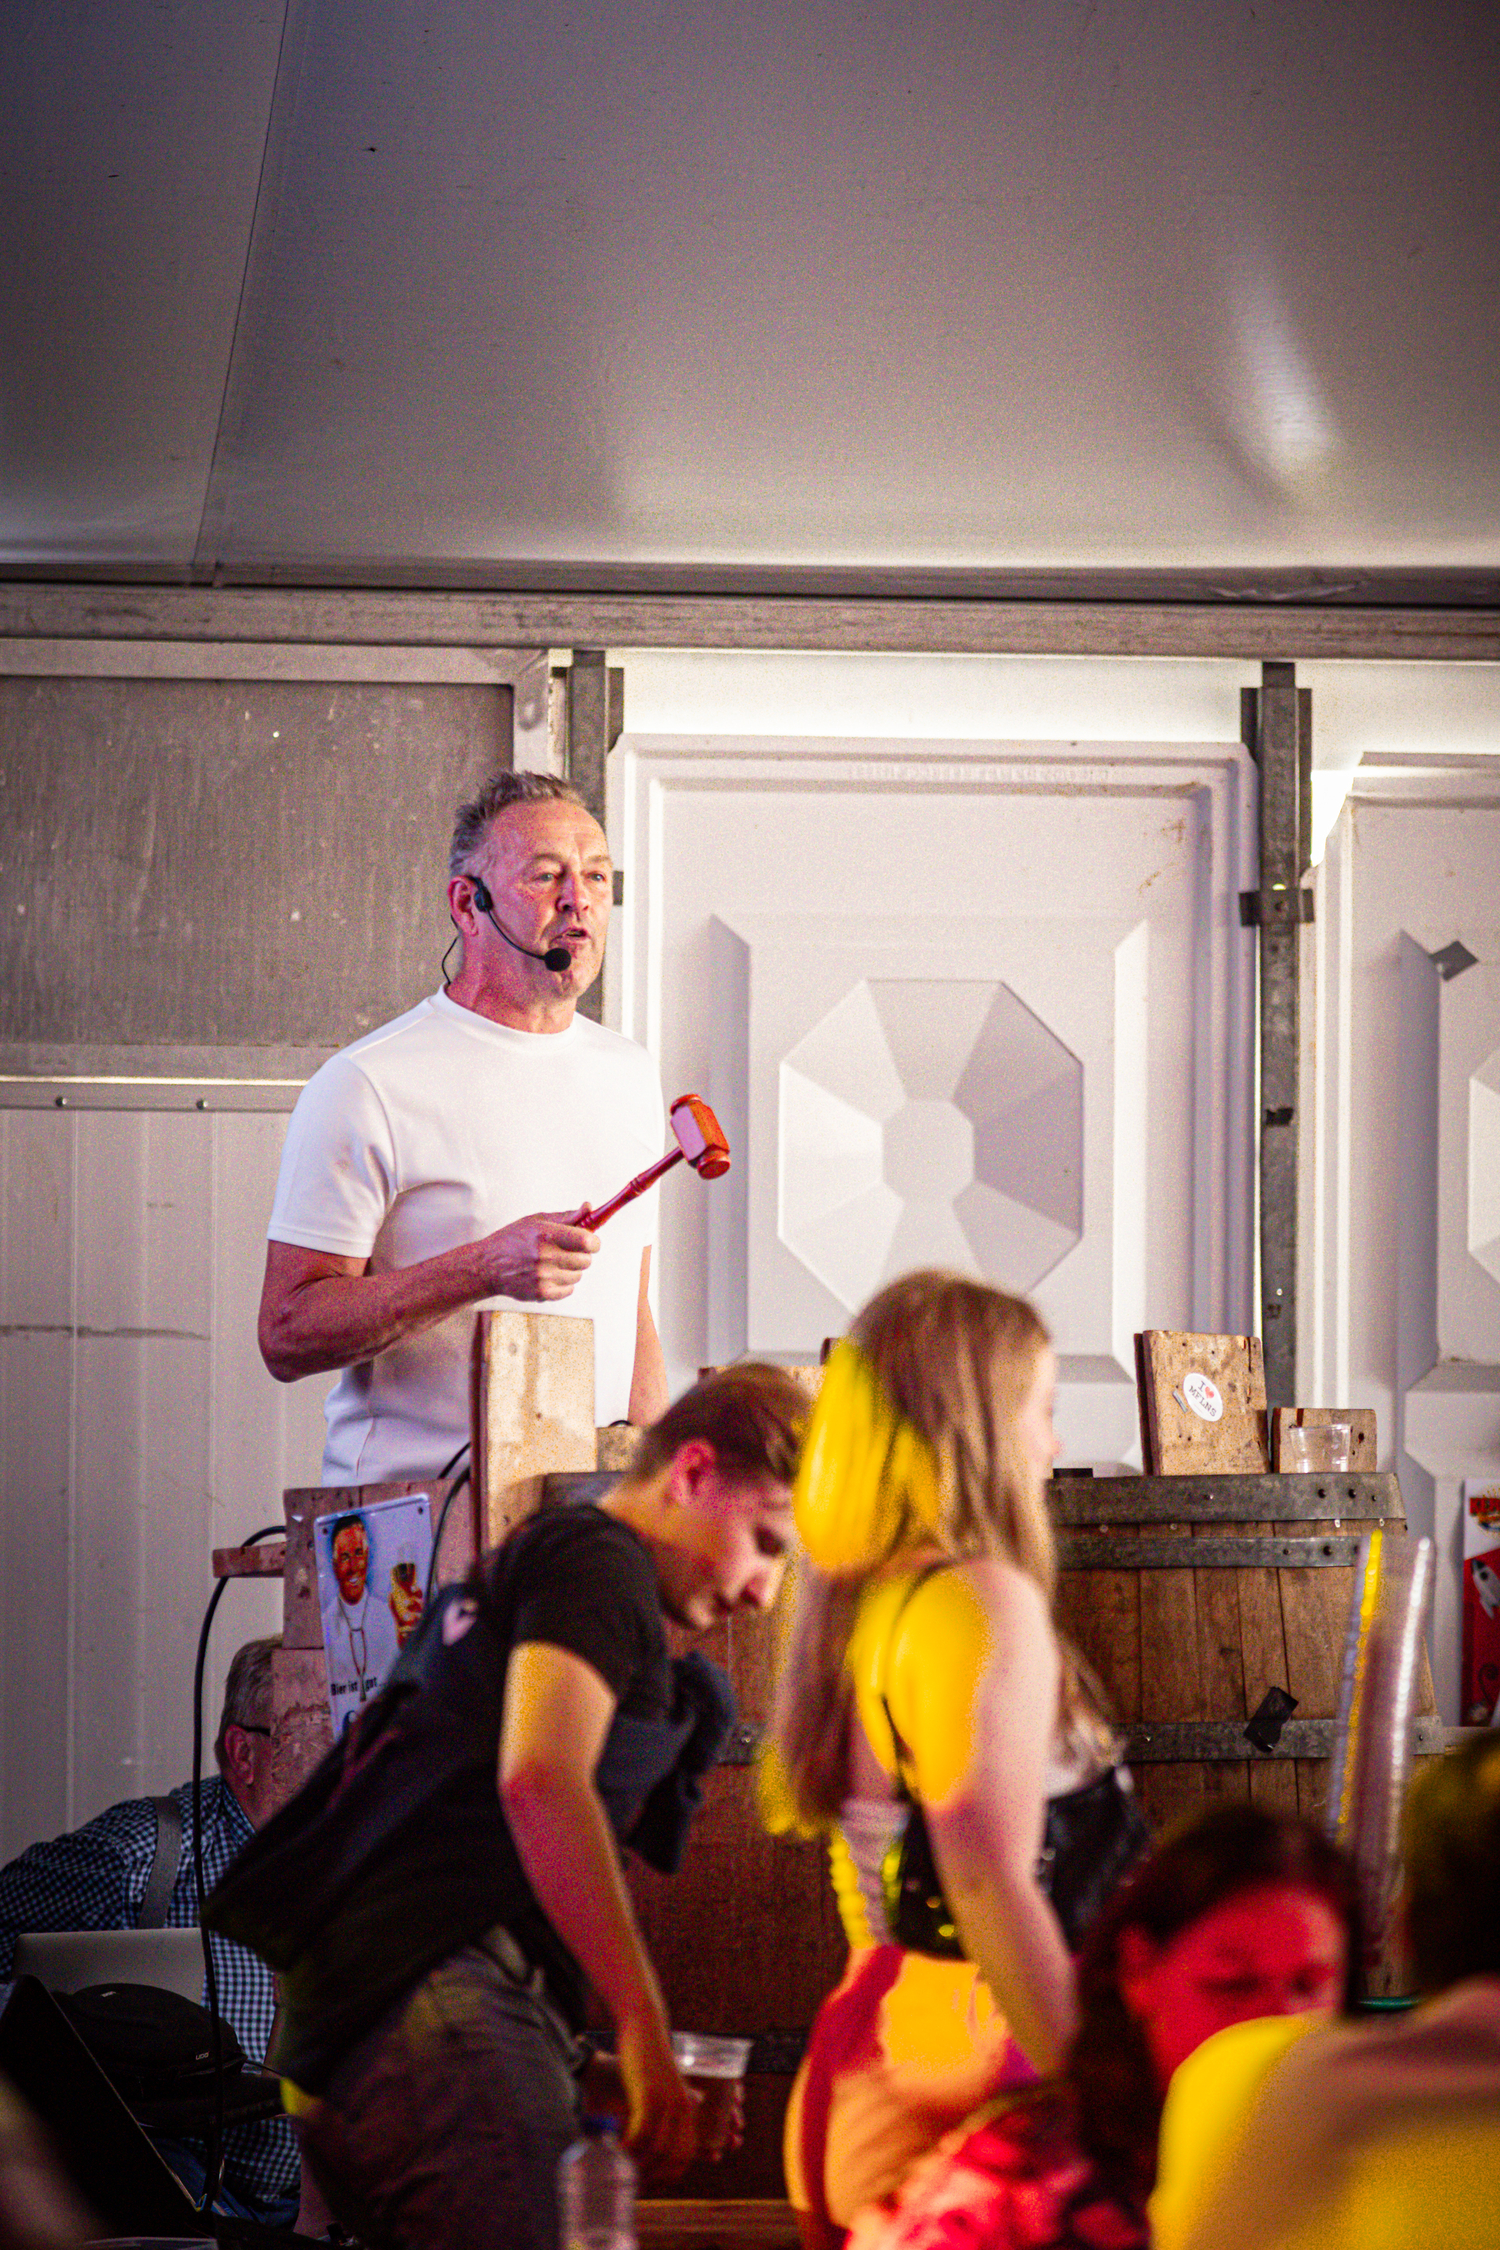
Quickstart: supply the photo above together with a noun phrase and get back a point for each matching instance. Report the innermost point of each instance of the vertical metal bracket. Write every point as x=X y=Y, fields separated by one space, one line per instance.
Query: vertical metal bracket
x=531 y=748
x=1281 y=739
x=596 y=719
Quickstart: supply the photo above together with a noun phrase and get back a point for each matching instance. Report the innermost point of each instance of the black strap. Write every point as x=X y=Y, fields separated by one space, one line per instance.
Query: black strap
x=157 y=1896
x=928 y=1570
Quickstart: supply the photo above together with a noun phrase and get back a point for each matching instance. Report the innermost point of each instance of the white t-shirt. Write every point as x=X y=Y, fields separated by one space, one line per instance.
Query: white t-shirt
x=433 y=1131
x=360 y=1645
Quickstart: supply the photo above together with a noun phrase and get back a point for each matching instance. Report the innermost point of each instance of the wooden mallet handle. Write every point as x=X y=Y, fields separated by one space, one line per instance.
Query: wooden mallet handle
x=700 y=1138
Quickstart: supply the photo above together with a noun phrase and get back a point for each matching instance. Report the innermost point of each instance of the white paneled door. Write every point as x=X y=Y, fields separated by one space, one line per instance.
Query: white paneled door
x=1408 y=1143
x=986 y=1006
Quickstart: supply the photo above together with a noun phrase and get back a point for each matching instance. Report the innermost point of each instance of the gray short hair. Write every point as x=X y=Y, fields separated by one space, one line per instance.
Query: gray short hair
x=472 y=821
x=247 y=1690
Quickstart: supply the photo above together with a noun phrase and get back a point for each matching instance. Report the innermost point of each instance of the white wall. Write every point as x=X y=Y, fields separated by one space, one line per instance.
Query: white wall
x=1412 y=856
x=1358 y=709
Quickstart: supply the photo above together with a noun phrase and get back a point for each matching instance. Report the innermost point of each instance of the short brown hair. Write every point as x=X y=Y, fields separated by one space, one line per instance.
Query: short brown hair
x=753 y=1415
x=471 y=823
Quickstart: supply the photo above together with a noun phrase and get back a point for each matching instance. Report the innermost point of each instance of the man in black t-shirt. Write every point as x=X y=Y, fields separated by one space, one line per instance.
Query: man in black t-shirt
x=447 y=1886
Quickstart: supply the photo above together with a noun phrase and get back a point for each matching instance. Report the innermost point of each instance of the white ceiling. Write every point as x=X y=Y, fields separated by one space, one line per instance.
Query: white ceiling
x=365 y=290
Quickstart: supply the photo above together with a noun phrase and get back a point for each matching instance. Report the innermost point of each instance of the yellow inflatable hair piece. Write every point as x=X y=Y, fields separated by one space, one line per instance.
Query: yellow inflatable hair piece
x=868 y=1479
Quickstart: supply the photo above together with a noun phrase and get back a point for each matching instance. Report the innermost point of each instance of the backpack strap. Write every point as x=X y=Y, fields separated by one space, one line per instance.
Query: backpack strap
x=928 y=1570
x=157 y=1896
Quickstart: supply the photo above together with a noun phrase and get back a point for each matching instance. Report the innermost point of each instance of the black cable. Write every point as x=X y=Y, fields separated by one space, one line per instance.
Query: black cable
x=214 y=2153
x=454 y=1489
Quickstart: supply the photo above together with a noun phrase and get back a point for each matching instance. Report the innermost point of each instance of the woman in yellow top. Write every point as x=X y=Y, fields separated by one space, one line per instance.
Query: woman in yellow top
x=922 y=1665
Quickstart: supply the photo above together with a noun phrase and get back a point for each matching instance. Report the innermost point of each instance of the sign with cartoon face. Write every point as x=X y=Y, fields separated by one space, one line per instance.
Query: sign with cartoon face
x=373 y=1565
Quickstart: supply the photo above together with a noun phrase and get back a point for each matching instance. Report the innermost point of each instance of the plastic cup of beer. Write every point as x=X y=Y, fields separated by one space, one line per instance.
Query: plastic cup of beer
x=715 y=2069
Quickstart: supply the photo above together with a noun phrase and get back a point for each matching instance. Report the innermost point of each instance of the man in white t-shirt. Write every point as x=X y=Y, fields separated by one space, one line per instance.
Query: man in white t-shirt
x=434 y=1166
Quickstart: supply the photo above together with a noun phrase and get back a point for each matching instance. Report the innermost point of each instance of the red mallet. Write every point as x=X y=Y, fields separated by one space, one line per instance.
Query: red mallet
x=700 y=1138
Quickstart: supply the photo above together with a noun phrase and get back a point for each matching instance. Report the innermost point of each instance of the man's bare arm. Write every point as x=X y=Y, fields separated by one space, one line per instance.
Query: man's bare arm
x=648 y=1380
x=319 y=1311
x=557 y=1713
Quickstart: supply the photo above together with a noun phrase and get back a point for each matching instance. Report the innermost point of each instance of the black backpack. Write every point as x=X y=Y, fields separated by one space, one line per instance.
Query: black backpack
x=155 y=2047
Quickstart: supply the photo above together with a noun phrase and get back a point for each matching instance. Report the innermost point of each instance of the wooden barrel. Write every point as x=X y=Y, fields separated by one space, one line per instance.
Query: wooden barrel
x=745 y=1936
x=1192 y=1597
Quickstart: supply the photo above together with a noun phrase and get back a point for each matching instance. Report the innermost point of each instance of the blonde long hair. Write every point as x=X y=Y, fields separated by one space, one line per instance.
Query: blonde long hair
x=956 y=1361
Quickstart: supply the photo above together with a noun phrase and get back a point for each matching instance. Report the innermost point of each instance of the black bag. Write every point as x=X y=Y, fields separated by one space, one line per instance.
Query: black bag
x=1094 y=1836
x=153 y=2044
x=916 y=1911
x=157 y=2050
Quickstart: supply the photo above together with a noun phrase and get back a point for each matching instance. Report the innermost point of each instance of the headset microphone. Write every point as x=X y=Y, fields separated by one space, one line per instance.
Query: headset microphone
x=556 y=958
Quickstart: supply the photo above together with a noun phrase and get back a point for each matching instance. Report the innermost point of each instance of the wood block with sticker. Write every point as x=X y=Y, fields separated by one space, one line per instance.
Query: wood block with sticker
x=1203 y=1404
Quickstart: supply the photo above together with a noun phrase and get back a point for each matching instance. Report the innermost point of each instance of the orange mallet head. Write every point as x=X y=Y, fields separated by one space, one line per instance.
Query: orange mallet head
x=700 y=1138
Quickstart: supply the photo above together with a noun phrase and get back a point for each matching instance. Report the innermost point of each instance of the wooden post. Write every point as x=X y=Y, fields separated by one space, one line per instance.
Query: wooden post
x=533 y=1411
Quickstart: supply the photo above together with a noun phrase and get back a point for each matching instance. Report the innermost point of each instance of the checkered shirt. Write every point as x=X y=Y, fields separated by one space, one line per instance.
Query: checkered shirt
x=95 y=1879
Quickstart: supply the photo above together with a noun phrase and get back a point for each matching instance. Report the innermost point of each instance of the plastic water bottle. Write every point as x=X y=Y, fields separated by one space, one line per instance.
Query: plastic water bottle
x=596 y=2190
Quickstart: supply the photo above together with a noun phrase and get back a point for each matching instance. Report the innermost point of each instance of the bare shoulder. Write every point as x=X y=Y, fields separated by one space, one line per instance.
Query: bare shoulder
x=1008 y=1596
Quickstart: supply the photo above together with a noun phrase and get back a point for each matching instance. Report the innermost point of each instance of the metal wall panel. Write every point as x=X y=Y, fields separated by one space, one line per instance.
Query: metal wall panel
x=256 y=863
x=209 y=882
x=138 y=1429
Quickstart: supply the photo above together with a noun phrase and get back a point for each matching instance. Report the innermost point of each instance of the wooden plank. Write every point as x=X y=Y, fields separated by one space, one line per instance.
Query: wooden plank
x=1315 y=1610
x=1273 y=1784
x=1099 y=1612
x=1205 y=1399
x=1072 y=614
x=534 y=1410
x=717 y=2223
x=1172 y=1685
x=301 y=1728
x=268 y=1561
x=1221 y=1661
x=1263 y=1650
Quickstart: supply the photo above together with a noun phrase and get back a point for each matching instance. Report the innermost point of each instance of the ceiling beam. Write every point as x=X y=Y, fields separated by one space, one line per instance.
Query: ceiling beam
x=1246 y=629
